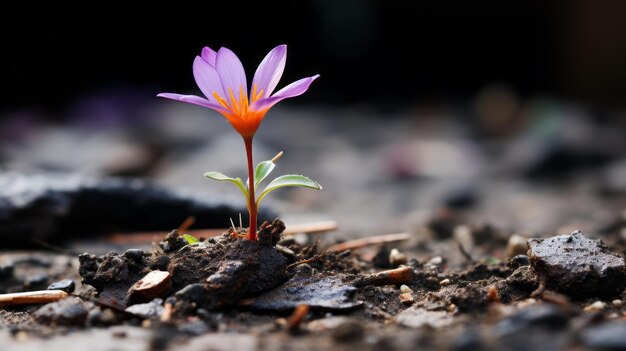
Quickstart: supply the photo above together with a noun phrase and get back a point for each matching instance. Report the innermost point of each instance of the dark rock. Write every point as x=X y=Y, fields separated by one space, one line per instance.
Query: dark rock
x=71 y=311
x=103 y=317
x=193 y=293
x=134 y=254
x=578 y=266
x=66 y=285
x=519 y=261
x=194 y=328
x=36 y=281
x=536 y=316
x=52 y=205
x=328 y=293
x=6 y=271
x=608 y=336
x=152 y=309
x=381 y=259
x=350 y=330
x=173 y=242
x=160 y=263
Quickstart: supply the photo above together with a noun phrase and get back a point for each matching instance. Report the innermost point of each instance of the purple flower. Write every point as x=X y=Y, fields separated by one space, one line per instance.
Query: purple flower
x=221 y=78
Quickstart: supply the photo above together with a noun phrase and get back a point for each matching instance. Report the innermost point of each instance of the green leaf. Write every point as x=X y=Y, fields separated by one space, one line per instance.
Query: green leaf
x=263 y=169
x=288 y=180
x=190 y=239
x=222 y=177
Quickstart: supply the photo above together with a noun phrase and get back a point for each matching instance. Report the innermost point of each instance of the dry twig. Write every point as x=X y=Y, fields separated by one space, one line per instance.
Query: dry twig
x=32 y=297
x=372 y=240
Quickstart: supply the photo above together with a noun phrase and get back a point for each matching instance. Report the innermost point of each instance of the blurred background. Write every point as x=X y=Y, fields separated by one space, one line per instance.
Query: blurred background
x=509 y=113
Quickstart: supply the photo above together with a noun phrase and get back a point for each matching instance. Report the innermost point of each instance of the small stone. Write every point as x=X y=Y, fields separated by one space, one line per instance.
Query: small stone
x=396 y=258
x=381 y=259
x=617 y=303
x=595 y=307
x=348 y=331
x=493 y=296
x=6 y=270
x=444 y=282
x=134 y=254
x=435 y=261
x=66 y=285
x=578 y=266
x=194 y=328
x=407 y=298
x=152 y=309
x=517 y=245
x=194 y=293
x=533 y=316
x=69 y=311
x=160 y=263
x=519 y=261
x=405 y=289
x=37 y=281
x=415 y=317
x=607 y=336
x=319 y=292
x=154 y=284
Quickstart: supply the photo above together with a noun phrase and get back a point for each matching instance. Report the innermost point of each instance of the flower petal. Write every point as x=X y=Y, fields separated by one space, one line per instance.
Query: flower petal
x=231 y=72
x=296 y=88
x=270 y=70
x=209 y=55
x=207 y=79
x=192 y=99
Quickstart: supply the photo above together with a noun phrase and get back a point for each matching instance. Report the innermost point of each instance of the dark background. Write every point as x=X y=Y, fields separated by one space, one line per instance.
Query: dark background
x=382 y=52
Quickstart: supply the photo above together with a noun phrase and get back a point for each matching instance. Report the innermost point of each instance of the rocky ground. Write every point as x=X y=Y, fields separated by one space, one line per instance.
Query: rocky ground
x=492 y=259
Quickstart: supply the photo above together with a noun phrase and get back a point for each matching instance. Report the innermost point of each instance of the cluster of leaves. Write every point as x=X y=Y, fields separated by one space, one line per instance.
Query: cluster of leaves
x=262 y=170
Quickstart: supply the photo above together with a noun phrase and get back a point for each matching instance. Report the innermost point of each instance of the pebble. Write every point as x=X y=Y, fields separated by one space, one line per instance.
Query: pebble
x=444 y=282
x=417 y=317
x=578 y=266
x=194 y=328
x=37 y=281
x=608 y=336
x=152 y=309
x=595 y=307
x=539 y=316
x=617 y=303
x=517 y=245
x=405 y=289
x=66 y=285
x=397 y=258
x=435 y=261
x=6 y=270
x=329 y=293
x=407 y=298
x=519 y=261
x=134 y=254
x=71 y=311
x=160 y=263
x=153 y=285
x=193 y=292
x=348 y=331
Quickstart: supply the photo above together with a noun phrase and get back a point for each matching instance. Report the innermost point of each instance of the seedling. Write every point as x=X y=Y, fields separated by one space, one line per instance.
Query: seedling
x=221 y=78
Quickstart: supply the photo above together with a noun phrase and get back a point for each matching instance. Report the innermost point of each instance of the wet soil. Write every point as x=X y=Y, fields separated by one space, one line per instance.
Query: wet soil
x=241 y=294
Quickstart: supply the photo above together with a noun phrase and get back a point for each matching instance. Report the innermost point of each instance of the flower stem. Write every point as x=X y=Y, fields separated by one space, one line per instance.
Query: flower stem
x=252 y=209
